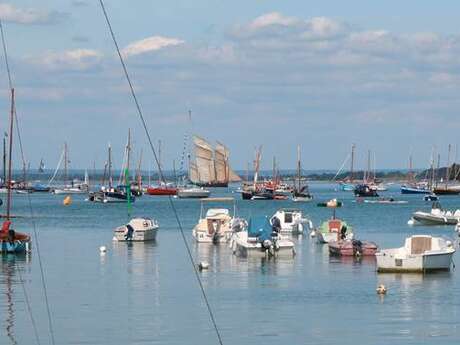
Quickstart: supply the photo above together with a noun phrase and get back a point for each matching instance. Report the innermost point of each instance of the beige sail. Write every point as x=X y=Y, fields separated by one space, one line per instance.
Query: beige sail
x=221 y=163
x=204 y=161
x=193 y=173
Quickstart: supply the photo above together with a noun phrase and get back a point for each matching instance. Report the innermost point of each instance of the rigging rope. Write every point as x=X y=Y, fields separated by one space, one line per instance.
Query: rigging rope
x=34 y=225
x=141 y=116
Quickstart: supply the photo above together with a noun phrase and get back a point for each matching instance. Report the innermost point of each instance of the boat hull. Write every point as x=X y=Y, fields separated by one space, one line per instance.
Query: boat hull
x=194 y=194
x=430 y=219
x=414 y=190
x=416 y=263
x=161 y=191
x=352 y=248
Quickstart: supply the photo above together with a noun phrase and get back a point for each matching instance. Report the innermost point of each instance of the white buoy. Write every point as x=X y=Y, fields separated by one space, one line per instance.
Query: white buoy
x=203 y=265
x=102 y=249
x=411 y=221
x=381 y=289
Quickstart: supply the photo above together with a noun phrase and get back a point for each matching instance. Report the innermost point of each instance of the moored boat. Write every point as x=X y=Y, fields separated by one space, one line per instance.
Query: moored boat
x=291 y=221
x=352 y=248
x=421 y=253
x=437 y=216
x=137 y=230
x=365 y=191
x=216 y=225
x=333 y=229
x=193 y=193
x=163 y=189
x=259 y=240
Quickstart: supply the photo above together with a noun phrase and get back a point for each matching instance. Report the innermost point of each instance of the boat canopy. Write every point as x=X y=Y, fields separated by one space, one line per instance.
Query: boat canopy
x=260 y=227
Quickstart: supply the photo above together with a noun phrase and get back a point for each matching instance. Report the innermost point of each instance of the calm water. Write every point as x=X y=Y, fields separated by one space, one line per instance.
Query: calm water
x=147 y=293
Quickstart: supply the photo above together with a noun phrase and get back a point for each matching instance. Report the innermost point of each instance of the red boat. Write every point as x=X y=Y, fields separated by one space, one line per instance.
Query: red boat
x=162 y=190
x=352 y=248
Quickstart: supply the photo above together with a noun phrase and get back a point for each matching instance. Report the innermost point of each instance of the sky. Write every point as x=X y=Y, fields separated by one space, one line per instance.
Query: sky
x=323 y=75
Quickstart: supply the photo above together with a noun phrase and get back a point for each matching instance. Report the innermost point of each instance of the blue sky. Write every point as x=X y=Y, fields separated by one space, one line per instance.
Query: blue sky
x=383 y=75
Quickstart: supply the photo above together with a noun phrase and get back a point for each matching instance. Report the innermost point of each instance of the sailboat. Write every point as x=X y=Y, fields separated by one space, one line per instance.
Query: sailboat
x=72 y=187
x=111 y=194
x=12 y=241
x=414 y=187
x=300 y=193
x=348 y=184
x=447 y=188
x=210 y=167
x=163 y=188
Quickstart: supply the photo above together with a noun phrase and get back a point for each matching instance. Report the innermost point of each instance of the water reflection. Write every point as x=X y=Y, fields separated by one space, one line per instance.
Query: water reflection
x=8 y=272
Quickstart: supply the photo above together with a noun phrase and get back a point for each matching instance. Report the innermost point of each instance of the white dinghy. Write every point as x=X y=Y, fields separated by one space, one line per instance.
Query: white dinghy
x=291 y=221
x=437 y=216
x=421 y=253
x=217 y=225
x=137 y=230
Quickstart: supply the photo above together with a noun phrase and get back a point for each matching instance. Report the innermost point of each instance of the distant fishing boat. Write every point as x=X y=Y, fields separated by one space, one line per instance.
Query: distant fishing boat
x=415 y=189
x=210 y=166
x=12 y=241
x=365 y=191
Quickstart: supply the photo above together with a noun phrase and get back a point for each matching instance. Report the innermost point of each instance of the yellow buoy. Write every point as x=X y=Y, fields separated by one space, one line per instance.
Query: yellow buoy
x=67 y=200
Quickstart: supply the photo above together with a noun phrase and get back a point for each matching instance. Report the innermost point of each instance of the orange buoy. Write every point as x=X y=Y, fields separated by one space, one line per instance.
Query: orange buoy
x=67 y=200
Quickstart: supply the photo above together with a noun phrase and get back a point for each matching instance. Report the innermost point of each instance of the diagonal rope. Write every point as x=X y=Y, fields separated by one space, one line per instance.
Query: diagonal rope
x=45 y=293
x=141 y=116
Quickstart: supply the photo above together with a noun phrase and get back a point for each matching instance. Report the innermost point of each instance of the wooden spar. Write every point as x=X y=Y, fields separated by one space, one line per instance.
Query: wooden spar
x=10 y=154
x=174 y=172
x=298 y=166
x=159 y=162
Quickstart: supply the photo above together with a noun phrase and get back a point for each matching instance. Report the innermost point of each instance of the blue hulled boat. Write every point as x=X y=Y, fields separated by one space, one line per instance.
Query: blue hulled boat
x=415 y=189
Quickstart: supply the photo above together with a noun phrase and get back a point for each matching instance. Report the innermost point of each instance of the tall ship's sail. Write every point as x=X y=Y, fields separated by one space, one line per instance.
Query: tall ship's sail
x=210 y=166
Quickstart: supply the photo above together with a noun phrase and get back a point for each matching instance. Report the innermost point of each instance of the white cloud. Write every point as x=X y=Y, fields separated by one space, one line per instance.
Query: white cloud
x=77 y=59
x=12 y=14
x=273 y=18
x=150 y=44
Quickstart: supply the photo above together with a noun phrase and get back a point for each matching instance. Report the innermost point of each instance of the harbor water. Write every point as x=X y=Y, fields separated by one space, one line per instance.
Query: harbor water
x=147 y=293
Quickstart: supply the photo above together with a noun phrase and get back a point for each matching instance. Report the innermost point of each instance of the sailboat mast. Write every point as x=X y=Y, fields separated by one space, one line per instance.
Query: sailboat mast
x=10 y=154
x=139 y=175
x=352 y=162
x=128 y=153
x=448 y=165
x=4 y=158
x=298 y=165
x=159 y=162
x=65 y=164
x=109 y=166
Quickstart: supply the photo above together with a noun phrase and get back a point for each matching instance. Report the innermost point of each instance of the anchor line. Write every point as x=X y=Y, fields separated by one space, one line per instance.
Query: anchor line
x=152 y=147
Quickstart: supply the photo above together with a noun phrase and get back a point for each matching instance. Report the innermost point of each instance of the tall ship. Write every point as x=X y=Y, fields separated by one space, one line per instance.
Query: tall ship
x=210 y=166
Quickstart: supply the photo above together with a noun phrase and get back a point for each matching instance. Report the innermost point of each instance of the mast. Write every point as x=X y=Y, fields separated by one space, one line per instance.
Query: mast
x=65 y=164
x=139 y=175
x=411 y=175
x=368 y=172
x=159 y=162
x=128 y=153
x=109 y=166
x=352 y=162
x=10 y=154
x=4 y=158
x=174 y=172
x=298 y=165
x=448 y=166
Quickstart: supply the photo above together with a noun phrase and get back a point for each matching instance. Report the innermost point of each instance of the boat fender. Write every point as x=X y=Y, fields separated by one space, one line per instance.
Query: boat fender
x=102 y=249
x=411 y=221
x=203 y=265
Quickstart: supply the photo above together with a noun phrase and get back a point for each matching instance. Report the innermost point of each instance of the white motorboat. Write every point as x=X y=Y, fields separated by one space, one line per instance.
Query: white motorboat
x=291 y=221
x=137 y=230
x=71 y=190
x=421 y=253
x=437 y=216
x=333 y=230
x=217 y=225
x=193 y=192
x=259 y=240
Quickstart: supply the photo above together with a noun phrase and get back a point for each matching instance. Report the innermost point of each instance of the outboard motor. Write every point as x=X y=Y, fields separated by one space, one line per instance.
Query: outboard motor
x=357 y=247
x=11 y=235
x=129 y=232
